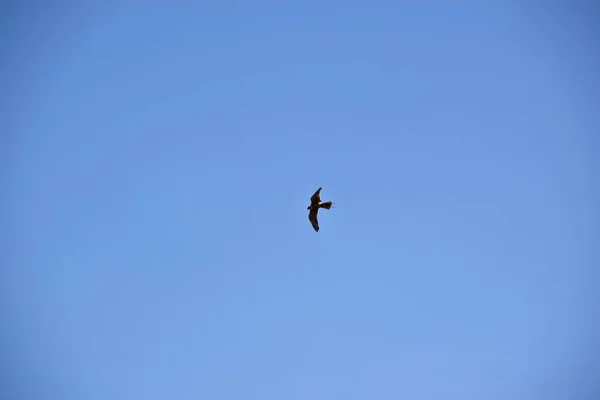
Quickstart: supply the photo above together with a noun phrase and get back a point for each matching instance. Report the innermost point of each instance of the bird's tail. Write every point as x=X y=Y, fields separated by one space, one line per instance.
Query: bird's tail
x=326 y=205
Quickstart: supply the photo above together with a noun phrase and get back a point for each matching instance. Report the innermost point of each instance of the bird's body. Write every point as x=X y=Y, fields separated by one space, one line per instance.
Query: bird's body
x=315 y=205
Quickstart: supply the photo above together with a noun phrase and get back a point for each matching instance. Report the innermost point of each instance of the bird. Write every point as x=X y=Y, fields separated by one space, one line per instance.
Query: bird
x=315 y=204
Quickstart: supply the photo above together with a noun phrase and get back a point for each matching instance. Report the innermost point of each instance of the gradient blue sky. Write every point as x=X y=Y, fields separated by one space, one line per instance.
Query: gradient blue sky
x=158 y=161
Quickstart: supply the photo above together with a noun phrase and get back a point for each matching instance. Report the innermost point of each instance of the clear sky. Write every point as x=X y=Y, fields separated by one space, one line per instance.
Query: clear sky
x=157 y=165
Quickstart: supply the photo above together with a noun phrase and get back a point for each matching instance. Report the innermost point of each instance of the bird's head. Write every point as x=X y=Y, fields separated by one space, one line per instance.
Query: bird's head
x=308 y=208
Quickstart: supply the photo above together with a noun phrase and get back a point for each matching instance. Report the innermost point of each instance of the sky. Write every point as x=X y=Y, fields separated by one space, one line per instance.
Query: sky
x=157 y=162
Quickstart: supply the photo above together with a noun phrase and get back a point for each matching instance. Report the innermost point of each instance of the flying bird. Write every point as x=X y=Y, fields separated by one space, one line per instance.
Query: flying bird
x=315 y=204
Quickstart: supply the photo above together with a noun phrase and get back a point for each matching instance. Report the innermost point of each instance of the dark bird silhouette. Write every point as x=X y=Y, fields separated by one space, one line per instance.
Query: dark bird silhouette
x=315 y=204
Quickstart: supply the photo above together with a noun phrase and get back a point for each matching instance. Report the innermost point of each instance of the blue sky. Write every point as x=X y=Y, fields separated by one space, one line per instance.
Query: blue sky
x=157 y=165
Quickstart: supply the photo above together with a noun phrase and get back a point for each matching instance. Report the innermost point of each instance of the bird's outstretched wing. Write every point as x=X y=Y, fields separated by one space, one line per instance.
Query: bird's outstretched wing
x=316 y=198
x=312 y=217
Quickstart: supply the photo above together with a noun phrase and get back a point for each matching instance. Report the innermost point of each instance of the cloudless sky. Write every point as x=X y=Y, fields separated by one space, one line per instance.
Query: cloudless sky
x=157 y=163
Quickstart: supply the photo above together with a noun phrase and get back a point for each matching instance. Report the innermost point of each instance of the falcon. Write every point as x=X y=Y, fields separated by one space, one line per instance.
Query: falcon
x=315 y=204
